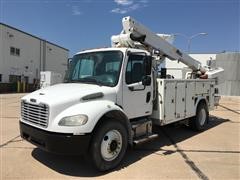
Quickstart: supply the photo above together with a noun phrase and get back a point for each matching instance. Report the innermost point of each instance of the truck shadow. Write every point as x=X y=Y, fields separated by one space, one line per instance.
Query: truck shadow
x=79 y=166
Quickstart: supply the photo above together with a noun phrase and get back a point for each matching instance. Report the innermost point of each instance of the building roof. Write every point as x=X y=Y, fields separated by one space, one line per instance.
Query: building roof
x=33 y=36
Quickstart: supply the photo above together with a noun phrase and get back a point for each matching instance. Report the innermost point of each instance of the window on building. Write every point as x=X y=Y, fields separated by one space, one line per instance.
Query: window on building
x=17 y=51
x=0 y=77
x=14 y=51
x=14 y=78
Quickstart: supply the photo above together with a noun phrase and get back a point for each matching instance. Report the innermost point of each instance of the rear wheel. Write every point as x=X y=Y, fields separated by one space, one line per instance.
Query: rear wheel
x=109 y=145
x=198 y=123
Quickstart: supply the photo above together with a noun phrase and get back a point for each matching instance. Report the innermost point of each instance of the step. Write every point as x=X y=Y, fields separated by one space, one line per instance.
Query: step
x=145 y=139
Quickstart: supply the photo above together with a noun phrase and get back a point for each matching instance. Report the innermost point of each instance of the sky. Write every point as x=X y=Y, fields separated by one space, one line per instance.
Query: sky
x=85 y=24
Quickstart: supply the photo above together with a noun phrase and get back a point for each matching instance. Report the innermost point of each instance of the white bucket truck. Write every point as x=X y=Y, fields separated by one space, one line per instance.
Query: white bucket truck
x=113 y=97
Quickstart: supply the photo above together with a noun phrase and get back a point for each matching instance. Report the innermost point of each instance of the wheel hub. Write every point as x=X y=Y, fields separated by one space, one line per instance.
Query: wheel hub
x=202 y=117
x=111 y=145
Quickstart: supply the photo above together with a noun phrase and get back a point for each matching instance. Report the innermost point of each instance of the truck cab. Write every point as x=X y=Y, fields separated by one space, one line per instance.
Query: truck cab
x=101 y=83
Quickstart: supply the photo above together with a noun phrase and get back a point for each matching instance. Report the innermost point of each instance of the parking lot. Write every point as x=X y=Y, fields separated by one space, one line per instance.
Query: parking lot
x=178 y=153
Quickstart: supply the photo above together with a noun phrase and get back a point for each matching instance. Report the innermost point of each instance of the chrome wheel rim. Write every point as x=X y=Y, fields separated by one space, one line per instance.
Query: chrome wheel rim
x=111 y=145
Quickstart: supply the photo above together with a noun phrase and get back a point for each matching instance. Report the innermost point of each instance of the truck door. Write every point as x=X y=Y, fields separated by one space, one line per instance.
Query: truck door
x=137 y=98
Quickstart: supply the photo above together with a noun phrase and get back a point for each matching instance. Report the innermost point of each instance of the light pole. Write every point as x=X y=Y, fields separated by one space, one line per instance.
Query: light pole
x=189 y=38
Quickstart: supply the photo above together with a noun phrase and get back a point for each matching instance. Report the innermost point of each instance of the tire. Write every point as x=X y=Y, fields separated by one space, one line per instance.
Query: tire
x=109 y=145
x=198 y=122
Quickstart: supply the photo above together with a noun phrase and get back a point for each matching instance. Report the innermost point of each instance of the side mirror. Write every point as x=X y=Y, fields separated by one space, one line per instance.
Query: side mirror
x=146 y=80
x=69 y=61
x=148 y=65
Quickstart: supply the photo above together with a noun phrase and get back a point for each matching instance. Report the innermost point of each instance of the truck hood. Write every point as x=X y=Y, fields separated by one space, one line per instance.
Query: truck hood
x=60 y=97
x=69 y=93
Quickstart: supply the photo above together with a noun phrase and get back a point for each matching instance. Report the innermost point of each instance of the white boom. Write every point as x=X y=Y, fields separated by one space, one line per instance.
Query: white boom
x=136 y=35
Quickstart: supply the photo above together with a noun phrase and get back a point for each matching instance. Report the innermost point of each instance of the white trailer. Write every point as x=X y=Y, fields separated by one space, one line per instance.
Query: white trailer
x=113 y=97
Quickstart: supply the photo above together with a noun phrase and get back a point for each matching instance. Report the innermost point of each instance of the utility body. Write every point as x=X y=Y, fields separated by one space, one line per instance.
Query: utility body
x=113 y=97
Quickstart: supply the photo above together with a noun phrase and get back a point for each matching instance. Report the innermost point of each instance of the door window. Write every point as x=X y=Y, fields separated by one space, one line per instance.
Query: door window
x=135 y=69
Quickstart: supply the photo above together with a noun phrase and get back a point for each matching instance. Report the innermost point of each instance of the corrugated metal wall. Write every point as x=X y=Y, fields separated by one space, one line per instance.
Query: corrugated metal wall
x=230 y=61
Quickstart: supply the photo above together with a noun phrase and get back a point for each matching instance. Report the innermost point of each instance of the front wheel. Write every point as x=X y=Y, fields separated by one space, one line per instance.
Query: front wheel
x=109 y=145
x=198 y=123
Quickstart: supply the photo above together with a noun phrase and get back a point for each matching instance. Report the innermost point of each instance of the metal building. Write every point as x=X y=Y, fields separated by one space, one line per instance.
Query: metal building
x=230 y=62
x=23 y=56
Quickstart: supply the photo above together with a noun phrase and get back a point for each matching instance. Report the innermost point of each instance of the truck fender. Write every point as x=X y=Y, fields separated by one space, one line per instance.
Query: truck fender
x=95 y=111
x=117 y=115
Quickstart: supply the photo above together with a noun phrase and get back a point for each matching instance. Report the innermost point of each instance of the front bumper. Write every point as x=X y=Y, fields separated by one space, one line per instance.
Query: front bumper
x=59 y=143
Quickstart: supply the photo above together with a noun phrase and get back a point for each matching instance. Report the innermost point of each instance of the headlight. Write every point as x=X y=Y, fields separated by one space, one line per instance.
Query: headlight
x=77 y=120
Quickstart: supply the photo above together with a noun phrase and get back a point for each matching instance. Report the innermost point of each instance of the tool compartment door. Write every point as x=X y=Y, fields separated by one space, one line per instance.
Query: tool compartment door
x=190 y=94
x=169 y=101
x=180 y=99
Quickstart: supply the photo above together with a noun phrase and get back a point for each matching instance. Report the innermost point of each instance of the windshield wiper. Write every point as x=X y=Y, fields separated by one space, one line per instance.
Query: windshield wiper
x=91 y=80
x=73 y=80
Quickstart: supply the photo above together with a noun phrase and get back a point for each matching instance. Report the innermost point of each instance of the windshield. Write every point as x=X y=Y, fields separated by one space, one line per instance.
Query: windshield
x=102 y=68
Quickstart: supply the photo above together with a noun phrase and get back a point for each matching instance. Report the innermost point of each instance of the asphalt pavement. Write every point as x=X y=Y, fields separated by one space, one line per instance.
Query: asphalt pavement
x=178 y=153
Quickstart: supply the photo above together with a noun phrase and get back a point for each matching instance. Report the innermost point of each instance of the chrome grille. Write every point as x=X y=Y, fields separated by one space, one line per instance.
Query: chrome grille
x=35 y=113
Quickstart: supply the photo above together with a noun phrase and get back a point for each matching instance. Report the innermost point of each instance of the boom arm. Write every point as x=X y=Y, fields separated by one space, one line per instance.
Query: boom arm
x=136 y=35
